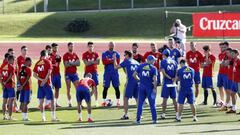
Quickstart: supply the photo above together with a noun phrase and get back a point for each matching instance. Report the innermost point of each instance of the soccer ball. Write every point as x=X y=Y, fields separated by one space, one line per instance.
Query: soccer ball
x=219 y=103
x=109 y=102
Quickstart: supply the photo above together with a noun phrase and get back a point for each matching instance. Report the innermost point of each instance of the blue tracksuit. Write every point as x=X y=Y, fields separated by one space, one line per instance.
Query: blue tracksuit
x=146 y=72
x=175 y=54
x=110 y=74
x=131 y=87
x=170 y=67
x=186 y=77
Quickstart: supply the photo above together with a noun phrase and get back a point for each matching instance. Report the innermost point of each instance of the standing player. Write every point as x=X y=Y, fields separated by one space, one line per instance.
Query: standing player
x=194 y=58
x=236 y=81
x=229 y=64
x=20 y=63
x=71 y=62
x=110 y=74
x=137 y=56
x=158 y=57
x=25 y=86
x=83 y=92
x=42 y=72
x=169 y=70
x=55 y=75
x=91 y=61
x=174 y=51
x=186 y=77
x=48 y=49
x=222 y=73
x=208 y=67
x=131 y=87
x=8 y=84
x=146 y=74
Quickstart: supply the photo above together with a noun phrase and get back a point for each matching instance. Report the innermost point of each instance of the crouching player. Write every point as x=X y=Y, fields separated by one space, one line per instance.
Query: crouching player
x=83 y=92
x=8 y=84
x=147 y=75
x=131 y=87
x=186 y=77
x=42 y=72
x=25 y=74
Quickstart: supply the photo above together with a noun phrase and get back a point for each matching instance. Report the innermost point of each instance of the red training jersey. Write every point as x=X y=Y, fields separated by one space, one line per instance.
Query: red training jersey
x=90 y=56
x=236 y=70
x=138 y=57
x=6 y=70
x=222 y=69
x=70 y=57
x=194 y=60
x=56 y=60
x=157 y=55
x=87 y=82
x=41 y=69
x=24 y=73
x=208 y=70
x=20 y=61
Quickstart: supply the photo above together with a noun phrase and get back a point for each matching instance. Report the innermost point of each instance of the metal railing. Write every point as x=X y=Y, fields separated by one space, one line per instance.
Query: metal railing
x=70 y=5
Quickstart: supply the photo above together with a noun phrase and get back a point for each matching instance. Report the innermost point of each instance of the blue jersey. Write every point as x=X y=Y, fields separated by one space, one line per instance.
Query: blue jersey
x=107 y=58
x=146 y=72
x=175 y=54
x=130 y=65
x=186 y=77
x=170 y=67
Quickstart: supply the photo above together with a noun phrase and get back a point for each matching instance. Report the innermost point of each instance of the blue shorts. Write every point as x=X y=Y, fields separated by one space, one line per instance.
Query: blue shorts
x=83 y=93
x=207 y=82
x=197 y=78
x=186 y=93
x=131 y=89
x=108 y=77
x=158 y=79
x=169 y=92
x=229 y=84
x=222 y=81
x=72 y=77
x=45 y=92
x=94 y=77
x=8 y=93
x=25 y=96
x=236 y=87
x=56 y=81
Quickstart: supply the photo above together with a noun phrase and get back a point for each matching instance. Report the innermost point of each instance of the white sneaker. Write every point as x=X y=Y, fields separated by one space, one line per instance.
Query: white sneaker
x=44 y=119
x=162 y=116
x=195 y=119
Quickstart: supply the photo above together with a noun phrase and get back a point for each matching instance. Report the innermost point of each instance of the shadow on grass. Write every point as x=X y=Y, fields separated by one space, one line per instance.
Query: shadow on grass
x=211 y=131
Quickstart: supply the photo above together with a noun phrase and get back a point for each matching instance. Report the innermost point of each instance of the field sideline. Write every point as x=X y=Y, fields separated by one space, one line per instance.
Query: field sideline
x=107 y=120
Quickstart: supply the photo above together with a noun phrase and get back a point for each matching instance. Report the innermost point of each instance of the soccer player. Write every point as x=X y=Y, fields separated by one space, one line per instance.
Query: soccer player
x=208 y=67
x=8 y=84
x=194 y=58
x=158 y=57
x=25 y=86
x=71 y=62
x=55 y=75
x=229 y=64
x=83 y=92
x=48 y=49
x=236 y=80
x=11 y=51
x=186 y=77
x=137 y=56
x=20 y=63
x=91 y=61
x=146 y=74
x=174 y=51
x=222 y=73
x=169 y=69
x=110 y=73
x=131 y=87
x=42 y=72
